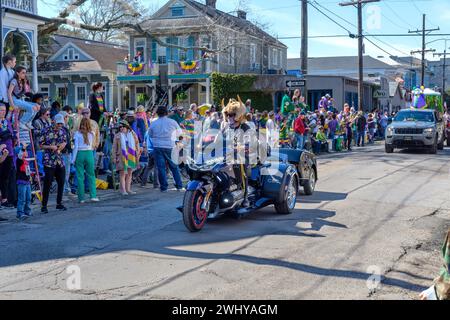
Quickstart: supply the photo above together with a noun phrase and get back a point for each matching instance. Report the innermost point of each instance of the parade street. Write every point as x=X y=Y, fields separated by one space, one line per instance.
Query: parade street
x=373 y=217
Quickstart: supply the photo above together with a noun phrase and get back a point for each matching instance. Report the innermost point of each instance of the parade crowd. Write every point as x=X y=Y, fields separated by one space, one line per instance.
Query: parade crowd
x=75 y=145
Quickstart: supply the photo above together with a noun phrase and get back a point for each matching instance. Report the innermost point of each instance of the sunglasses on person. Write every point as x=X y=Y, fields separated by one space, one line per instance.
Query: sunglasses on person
x=232 y=115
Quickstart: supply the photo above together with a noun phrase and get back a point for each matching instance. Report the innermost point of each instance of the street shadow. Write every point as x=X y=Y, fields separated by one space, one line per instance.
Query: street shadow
x=321 y=196
x=175 y=242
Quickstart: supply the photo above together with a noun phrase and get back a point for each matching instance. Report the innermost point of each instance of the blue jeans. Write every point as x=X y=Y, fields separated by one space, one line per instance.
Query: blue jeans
x=361 y=137
x=331 y=136
x=26 y=106
x=40 y=161
x=300 y=141
x=23 y=200
x=163 y=156
x=67 y=157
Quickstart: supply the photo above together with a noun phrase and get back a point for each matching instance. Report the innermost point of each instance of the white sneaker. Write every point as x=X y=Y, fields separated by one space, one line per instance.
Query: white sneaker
x=132 y=192
x=124 y=193
x=95 y=200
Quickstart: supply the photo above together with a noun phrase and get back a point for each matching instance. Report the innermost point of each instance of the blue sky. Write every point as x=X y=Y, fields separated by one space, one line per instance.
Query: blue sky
x=387 y=16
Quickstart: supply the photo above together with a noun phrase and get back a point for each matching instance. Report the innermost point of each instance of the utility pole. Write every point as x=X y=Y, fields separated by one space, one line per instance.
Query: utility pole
x=444 y=67
x=359 y=5
x=304 y=49
x=424 y=33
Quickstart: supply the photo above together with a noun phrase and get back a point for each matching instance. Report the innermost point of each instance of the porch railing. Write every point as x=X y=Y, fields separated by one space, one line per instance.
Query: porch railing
x=204 y=67
x=125 y=70
x=29 y=6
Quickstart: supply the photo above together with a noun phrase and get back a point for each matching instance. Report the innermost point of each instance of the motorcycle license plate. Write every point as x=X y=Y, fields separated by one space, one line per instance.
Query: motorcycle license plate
x=407 y=138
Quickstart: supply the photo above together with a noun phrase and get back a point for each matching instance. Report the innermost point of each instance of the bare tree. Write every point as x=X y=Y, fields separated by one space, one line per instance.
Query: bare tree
x=127 y=17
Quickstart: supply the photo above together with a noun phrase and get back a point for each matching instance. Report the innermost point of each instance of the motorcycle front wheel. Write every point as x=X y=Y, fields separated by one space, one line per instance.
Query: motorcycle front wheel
x=194 y=217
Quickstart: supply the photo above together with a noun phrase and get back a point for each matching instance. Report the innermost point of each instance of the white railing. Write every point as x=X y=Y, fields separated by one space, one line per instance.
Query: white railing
x=29 y=6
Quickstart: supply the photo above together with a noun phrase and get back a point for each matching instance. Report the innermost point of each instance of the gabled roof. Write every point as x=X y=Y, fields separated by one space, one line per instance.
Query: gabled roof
x=65 y=47
x=105 y=55
x=210 y=15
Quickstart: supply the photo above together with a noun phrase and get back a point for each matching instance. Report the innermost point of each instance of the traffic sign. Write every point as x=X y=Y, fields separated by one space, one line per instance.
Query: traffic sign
x=295 y=83
x=380 y=94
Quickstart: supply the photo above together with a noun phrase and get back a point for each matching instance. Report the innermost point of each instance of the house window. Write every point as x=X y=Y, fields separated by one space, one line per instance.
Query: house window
x=188 y=42
x=81 y=93
x=62 y=93
x=140 y=45
x=172 y=53
x=177 y=11
x=44 y=90
x=281 y=57
x=231 y=53
x=71 y=55
x=162 y=53
x=252 y=55
x=275 y=57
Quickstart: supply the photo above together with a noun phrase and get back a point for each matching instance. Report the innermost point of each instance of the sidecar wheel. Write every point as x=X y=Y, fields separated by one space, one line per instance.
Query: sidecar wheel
x=194 y=217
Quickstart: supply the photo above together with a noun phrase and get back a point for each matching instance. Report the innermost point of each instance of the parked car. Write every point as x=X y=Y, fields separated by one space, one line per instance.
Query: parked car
x=416 y=128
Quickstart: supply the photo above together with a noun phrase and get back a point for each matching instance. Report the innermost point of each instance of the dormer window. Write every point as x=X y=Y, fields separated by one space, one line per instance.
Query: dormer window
x=70 y=55
x=177 y=11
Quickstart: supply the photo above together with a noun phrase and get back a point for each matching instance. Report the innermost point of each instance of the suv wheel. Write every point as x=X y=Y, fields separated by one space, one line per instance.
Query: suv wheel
x=388 y=148
x=440 y=145
x=434 y=147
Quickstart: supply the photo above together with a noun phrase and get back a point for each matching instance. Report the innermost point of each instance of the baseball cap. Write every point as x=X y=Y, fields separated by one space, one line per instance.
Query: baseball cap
x=63 y=113
x=59 y=119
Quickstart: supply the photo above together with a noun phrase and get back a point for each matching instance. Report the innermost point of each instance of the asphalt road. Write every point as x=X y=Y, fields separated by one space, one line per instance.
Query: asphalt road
x=372 y=230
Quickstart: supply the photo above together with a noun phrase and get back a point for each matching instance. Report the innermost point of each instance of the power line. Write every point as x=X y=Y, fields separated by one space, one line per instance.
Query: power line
x=366 y=34
x=337 y=23
x=397 y=35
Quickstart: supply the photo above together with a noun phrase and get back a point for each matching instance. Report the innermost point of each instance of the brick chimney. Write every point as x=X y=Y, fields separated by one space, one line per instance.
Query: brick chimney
x=242 y=14
x=211 y=3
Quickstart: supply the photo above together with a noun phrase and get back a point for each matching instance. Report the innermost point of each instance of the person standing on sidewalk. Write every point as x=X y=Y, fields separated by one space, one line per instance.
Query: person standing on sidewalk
x=164 y=132
x=299 y=128
x=83 y=158
x=39 y=125
x=23 y=184
x=67 y=152
x=53 y=141
x=148 y=147
x=125 y=154
x=361 y=128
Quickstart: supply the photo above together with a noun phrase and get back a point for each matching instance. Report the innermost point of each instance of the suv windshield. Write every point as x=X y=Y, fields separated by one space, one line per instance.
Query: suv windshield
x=414 y=116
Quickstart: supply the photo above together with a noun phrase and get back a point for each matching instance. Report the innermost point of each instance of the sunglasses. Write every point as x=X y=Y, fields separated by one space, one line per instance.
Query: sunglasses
x=231 y=115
